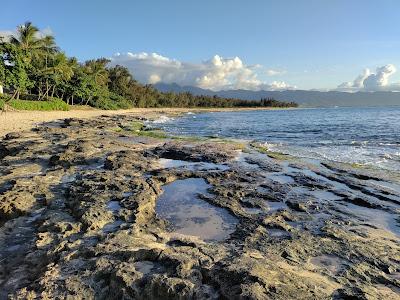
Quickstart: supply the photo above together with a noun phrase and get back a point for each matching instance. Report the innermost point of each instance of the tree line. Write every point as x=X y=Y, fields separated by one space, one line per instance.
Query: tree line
x=33 y=67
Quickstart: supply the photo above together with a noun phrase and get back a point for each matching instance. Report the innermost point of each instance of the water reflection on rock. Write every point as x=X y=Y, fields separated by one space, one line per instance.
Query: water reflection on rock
x=189 y=215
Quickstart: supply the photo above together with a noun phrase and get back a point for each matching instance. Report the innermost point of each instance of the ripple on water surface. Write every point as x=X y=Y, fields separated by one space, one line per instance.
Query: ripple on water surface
x=190 y=215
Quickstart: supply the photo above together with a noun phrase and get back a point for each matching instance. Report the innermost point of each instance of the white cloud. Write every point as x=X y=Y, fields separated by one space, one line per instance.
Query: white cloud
x=45 y=32
x=368 y=81
x=216 y=73
x=380 y=79
x=6 y=34
x=272 y=72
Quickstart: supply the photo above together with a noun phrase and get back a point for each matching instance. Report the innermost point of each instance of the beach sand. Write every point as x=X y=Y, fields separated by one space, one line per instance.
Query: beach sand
x=16 y=121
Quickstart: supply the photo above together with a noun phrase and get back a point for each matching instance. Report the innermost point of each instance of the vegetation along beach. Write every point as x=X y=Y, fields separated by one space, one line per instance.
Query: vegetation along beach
x=112 y=187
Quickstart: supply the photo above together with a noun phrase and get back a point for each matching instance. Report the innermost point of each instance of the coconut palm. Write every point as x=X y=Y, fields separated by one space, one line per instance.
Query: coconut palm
x=97 y=69
x=32 y=43
x=27 y=38
x=58 y=70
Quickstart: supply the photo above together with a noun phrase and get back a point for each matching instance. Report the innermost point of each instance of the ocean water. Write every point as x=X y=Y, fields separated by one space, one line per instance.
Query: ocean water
x=369 y=136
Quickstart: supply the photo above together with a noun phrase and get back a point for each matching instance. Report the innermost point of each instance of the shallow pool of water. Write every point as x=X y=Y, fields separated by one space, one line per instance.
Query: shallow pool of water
x=281 y=178
x=181 y=206
x=330 y=263
x=114 y=206
x=190 y=165
x=378 y=218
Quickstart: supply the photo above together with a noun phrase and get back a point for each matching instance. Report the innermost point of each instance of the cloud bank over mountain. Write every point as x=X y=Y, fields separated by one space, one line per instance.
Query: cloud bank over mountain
x=368 y=81
x=217 y=73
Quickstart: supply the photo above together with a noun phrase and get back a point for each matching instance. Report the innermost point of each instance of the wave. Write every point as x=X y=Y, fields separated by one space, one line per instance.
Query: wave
x=271 y=146
x=349 y=136
x=392 y=156
x=162 y=119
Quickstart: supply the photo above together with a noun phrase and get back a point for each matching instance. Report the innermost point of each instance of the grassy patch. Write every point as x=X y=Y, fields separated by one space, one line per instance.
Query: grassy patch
x=357 y=166
x=55 y=104
x=136 y=126
x=277 y=155
x=157 y=134
x=272 y=154
x=116 y=129
x=188 y=138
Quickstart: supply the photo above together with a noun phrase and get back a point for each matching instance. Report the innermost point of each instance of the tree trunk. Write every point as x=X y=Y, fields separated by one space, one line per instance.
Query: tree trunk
x=72 y=99
x=47 y=87
x=15 y=94
x=46 y=94
x=52 y=92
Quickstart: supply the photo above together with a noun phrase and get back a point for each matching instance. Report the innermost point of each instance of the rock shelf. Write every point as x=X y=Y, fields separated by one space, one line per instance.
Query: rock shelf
x=87 y=211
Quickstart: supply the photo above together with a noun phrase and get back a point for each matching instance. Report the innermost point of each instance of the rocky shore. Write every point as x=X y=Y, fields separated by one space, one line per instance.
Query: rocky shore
x=106 y=209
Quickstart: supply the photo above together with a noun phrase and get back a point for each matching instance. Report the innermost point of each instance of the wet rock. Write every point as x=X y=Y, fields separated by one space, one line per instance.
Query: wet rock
x=217 y=153
x=298 y=206
x=364 y=203
x=85 y=224
x=14 y=204
x=4 y=151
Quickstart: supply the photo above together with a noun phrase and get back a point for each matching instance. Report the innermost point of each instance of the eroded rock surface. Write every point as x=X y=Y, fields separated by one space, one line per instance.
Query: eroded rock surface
x=78 y=220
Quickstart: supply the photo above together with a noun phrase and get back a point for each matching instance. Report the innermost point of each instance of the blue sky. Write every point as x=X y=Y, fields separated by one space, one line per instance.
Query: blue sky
x=304 y=43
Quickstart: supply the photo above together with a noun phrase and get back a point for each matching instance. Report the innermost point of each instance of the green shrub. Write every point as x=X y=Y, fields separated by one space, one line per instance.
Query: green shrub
x=136 y=126
x=157 y=134
x=1 y=102
x=54 y=104
x=111 y=102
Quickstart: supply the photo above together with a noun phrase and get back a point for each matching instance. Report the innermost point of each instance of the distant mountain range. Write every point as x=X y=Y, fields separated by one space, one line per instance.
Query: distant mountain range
x=302 y=97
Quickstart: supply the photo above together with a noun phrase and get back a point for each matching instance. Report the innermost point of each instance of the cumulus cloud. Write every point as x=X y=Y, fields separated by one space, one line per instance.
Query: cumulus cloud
x=368 y=81
x=5 y=34
x=216 y=73
x=380 y=79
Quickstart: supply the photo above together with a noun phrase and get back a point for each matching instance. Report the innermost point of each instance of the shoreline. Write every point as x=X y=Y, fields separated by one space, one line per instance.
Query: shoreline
x=84 y=211
x=17 y=121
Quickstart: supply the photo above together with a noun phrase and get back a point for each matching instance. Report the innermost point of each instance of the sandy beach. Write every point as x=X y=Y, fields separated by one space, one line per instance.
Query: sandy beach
x=16 y=121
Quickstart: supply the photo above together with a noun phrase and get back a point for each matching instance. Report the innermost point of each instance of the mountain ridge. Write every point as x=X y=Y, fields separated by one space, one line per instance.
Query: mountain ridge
x=305 y=98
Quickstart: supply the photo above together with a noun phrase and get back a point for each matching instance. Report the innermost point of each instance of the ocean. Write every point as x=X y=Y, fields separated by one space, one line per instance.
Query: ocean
x=367 y=136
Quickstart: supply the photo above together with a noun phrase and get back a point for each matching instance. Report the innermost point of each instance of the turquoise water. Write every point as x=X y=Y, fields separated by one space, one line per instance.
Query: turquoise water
x=369 y=136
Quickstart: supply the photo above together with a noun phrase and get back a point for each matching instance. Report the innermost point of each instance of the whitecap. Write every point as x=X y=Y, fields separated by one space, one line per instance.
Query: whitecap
x=163 y=119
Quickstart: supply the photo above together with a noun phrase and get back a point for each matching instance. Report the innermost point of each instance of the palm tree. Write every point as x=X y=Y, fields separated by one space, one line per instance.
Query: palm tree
x=97 y=69
x=37 y=51
x=27 y=38
x=98 y=74
x=58 y=70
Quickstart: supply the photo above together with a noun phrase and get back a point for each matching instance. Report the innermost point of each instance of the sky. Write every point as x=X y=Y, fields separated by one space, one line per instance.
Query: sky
x=225 y=44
